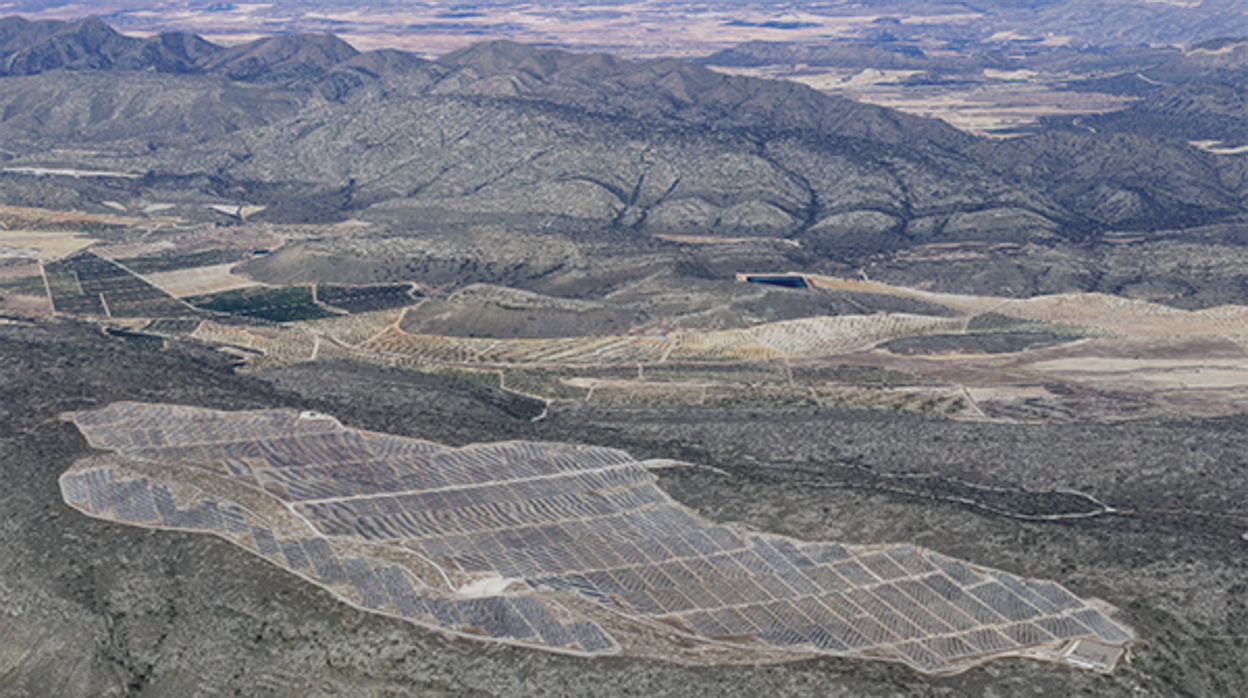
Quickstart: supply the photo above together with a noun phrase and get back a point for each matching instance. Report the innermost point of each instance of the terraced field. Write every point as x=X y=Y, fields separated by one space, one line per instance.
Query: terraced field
x=1107 y=314
x=795 y=338
x=565 y=548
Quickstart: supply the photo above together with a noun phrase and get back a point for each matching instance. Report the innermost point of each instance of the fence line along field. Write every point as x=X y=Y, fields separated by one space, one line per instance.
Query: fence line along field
x=564 y=548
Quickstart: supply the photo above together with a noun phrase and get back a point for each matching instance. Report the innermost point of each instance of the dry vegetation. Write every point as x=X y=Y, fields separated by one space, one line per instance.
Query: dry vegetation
x=17 y=217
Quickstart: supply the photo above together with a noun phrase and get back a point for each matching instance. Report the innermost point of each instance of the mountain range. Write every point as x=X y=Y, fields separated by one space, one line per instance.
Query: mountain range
x=543 y=140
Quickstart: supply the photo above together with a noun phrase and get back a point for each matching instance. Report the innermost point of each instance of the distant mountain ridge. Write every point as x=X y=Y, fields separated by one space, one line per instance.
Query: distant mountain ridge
x=1201 y=94
x=1223 y=60
x=499 y=69
x=30 y=48
x=847 y=55
x=530 y=137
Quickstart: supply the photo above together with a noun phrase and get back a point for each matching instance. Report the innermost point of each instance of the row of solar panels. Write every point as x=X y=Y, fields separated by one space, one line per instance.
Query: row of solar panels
x=425 y=491
x=584 y=521
x=1011 y=599
x=129 y=425
x=775 y=608
x=414 y=522
x=348 y=458
x=522 y=618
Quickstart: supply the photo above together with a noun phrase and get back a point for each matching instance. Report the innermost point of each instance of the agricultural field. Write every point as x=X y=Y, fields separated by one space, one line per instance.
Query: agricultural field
x=162 y=260
x=44 y=245
x=289 y=304
x=801 y=339
x=890 y=360
x=23 y=290
x=794 y=338
x=1072 y=313
x=355 y=329
x=365 y=299
x=89 y=285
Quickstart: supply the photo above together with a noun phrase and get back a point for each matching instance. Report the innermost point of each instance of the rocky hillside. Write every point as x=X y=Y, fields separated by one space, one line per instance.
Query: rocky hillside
x=1197 y=95
x=532 y=138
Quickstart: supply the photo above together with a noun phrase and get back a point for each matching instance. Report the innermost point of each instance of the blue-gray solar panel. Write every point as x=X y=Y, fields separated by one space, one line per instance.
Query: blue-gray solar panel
x=568 y=521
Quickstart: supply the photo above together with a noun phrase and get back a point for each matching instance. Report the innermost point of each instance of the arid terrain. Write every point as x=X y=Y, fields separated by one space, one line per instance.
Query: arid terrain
x=650 y=29
x=990 y=67
x=501 y=369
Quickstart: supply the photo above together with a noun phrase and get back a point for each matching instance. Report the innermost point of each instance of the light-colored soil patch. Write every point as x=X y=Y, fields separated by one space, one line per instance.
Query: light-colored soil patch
x=19 y=272
x=22 y=303
x=980 y=104
x=1219 y=148
x=49 y=246
x=1097 y=311
x=199 y=281
x=136 y=249
x=1009 y=392
x=961 y=303
x=1169 y=373
x=67 y=172
x=1130 y=317
x=239 y=212
x=18 y=217
x=1200 y=377
x=989 y=108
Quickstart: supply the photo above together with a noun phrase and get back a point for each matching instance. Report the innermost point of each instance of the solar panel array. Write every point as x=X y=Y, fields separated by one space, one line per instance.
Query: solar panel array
x=559 y=520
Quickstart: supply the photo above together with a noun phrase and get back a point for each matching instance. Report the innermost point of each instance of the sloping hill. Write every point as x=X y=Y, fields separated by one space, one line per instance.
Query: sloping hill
x=1197 y=95
x=681 y=92
x=280 y=59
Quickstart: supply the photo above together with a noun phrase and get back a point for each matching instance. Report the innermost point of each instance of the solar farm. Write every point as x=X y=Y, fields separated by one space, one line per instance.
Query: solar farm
x=567 y=548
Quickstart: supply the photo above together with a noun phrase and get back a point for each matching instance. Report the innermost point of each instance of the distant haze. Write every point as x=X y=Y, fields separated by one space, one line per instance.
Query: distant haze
x=647 y=28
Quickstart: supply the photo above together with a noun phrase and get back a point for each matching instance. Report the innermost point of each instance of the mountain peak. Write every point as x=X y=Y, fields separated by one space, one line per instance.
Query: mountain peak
x=494 y=57
x=282 y=57
x=88 y=44
x=94 y=32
